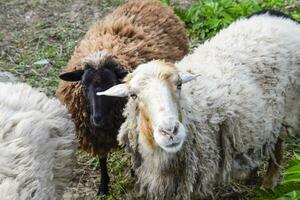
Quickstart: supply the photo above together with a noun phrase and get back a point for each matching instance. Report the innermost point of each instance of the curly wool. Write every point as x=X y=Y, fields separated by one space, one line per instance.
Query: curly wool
x=37 y=144
x=136 y=32
x=248 y=90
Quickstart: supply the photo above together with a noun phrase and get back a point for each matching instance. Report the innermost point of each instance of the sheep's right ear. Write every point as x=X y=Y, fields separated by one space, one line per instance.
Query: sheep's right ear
x=72 y=76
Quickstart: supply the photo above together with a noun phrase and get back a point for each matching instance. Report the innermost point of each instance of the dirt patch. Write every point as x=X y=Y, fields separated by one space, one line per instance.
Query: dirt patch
x=35 y=30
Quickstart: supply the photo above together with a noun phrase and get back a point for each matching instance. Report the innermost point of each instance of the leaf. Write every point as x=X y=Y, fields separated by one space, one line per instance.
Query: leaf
x=294 y=195
x=165 y=2
x=297 y=156
x=292 y=178
x=293 y=169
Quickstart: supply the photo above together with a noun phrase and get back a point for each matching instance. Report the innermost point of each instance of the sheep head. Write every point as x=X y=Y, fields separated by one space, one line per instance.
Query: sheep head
x=156 y=86
x=100 y=71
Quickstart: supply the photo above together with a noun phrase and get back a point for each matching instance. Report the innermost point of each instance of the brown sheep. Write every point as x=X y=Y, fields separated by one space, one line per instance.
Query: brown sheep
x=137 y=32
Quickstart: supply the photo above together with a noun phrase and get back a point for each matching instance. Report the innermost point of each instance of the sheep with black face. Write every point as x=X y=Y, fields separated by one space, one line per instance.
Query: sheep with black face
x=137 y=32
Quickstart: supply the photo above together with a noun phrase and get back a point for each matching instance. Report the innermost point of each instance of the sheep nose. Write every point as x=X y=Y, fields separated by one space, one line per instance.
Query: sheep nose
x=170 y=131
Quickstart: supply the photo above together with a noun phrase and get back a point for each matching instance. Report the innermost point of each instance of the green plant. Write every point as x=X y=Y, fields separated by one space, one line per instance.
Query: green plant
x=205 y=18
x=294 y=195
x=166 y=2
x=289 y=189
x=292 y=176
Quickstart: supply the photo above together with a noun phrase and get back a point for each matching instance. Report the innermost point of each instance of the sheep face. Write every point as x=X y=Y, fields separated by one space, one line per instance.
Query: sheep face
x=156 y=86
x=97 y=79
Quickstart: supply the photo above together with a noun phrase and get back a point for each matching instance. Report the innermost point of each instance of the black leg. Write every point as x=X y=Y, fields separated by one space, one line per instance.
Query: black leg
x=104 y=179
x=132 y=174
x=253 y=177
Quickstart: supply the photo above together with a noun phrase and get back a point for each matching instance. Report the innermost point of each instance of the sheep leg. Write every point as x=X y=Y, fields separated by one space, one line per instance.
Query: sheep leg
x=253 y=177
x=271 y=178
x=104 y=179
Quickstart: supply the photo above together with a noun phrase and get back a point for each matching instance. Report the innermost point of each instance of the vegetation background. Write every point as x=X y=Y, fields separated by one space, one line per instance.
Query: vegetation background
x=37 y=38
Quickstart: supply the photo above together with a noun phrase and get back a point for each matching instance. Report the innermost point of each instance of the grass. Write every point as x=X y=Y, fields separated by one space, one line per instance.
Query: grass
x=37 y=30
x=48 y=32
x=47 y=38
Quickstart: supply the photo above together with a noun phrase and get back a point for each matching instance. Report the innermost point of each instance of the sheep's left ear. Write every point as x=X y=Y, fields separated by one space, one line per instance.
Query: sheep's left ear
x=120 y=90
x=186 y=76
x=72 y=76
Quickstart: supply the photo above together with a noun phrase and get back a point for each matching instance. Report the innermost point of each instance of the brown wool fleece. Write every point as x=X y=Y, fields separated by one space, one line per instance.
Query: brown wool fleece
x=137 y=32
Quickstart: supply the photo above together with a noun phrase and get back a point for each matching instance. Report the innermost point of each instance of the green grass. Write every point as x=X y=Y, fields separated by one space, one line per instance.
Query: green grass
x=205 y=18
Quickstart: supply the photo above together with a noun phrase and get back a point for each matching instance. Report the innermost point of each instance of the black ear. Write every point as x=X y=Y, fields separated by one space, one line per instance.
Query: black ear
x=72 y=76
x=121 y=73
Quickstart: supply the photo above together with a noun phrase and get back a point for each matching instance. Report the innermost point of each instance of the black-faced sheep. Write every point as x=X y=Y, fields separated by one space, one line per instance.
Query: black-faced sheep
x=37 y=144
x=137 y=32
x=225 y=122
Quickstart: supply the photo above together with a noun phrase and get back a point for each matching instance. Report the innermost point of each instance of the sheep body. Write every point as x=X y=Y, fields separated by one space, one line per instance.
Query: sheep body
x=37 y=144
x=247 y=93
x=136 y=32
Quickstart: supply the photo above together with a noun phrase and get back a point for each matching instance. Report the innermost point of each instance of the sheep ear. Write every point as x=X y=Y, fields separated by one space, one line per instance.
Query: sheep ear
x=120 y=90
x=72 y=76
x=186 y=76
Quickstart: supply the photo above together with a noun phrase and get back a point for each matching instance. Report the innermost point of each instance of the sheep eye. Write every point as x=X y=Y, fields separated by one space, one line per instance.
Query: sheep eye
x=133 y=96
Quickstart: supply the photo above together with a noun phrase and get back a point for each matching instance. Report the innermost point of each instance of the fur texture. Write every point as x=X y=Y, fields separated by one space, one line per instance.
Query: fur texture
x=37 y=144
x=137 y=32
x=246 y=95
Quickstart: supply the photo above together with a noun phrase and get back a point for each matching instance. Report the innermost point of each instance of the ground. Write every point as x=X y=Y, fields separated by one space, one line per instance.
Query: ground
x=37 y=38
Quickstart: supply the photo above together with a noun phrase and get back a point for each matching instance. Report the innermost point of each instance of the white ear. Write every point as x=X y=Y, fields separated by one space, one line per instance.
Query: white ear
x=186 y=76
x=120 y=90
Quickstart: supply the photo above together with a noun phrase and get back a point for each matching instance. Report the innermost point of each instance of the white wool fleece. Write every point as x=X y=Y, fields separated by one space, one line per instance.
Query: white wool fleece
x=37 y=144
x=249 y=86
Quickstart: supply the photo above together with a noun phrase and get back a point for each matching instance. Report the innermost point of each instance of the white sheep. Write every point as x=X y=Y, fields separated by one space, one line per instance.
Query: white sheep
x=222 y=125
x=37 y=144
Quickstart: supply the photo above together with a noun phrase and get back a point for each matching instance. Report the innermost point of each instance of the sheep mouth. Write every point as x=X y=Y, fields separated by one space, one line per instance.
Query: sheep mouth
x=173 y=145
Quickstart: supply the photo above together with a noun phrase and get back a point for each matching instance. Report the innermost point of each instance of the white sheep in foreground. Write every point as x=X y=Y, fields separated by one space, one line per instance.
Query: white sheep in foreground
x=37 y=144
x=221 y=125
